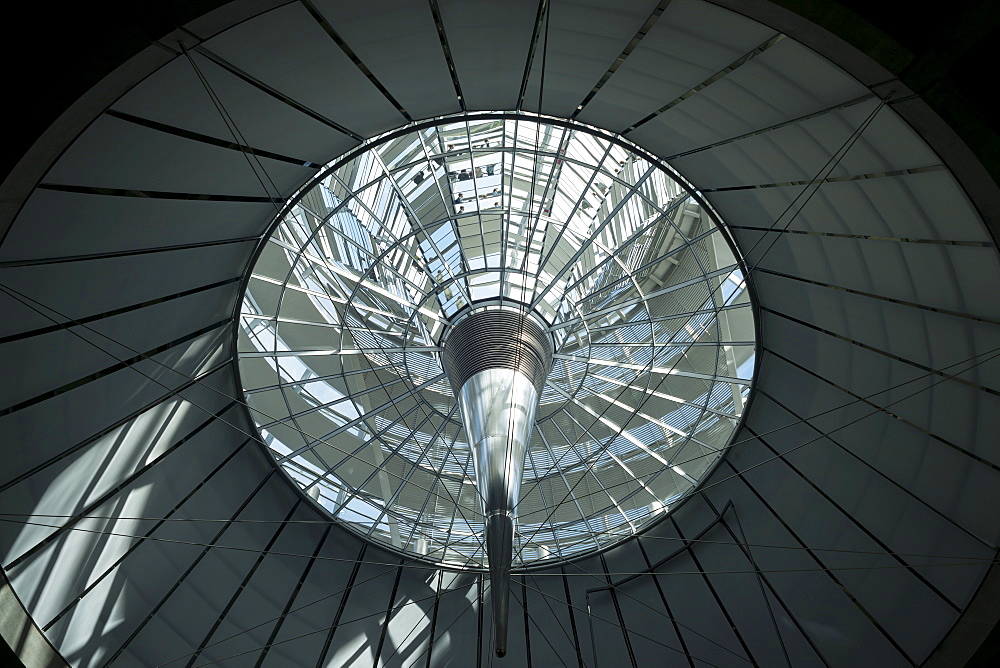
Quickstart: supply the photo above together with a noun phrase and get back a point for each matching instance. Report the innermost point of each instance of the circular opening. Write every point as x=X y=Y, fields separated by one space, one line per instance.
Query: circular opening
x=380 y=257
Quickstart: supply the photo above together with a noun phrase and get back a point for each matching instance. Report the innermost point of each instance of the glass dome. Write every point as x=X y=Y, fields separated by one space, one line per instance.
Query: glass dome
x=394 y=244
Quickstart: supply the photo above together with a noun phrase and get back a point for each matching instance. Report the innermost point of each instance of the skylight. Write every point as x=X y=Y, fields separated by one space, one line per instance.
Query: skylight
x=364 y=275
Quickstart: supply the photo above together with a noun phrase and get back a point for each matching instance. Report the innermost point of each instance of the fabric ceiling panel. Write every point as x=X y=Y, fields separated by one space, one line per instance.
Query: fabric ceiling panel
x=925 y=337
x=127 y=459
x=802 y=152
x=912 y=273
x=112 y=588
x=828 y=527
x=438 y=605
x=401 y=48
x=904 y=207
x=796 y=575
x=365 y=611
x=931 y=477
x=798 y=152
x=247 y=612
x=100 y=225
x=87 y=410
x=585 y=39
x=551 y=627
x=653 y=632
x=457 y=628
x=108 y=155
x=686 y=46
x=744 y=600
x=707 y=632
x=302 y=62
x=306 y=628
x=265 y=122
x=924 y=400
x=123 y=336
x=150 y=597
x=81 y=289
x=798 y=84
x=489 y=62
x=20 y=318
x=175 y=624
x=894 y=520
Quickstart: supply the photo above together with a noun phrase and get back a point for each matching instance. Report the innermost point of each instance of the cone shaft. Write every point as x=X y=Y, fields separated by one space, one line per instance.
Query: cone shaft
x=498 y=409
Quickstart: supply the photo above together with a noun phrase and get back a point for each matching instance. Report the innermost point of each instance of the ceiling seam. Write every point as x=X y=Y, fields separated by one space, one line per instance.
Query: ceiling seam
x=207 y=139
x=871 y=295
x=739 y=62
x=157 y=194
x=446 y=49
x=898 y=358
x=298 y=106
x=124 y=364
x=339 y=41
x=626 y=52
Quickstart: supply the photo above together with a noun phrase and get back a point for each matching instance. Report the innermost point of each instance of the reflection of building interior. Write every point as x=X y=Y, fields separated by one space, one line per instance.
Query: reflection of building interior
x=326 y=348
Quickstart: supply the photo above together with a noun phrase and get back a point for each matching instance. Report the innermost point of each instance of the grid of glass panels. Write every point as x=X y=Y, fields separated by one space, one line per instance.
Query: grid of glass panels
x=348 y=301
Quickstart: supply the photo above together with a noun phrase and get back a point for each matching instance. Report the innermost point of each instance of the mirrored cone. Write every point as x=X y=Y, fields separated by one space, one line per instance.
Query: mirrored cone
x=499 y=360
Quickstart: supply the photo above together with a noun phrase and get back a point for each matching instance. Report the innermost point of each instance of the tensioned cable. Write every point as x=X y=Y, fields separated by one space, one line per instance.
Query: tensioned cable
x=745 y=440
x=234 y=130
x=878 y=409
x=24 y=299
x=643 y=538
x=828 y=166
x=969 y=561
